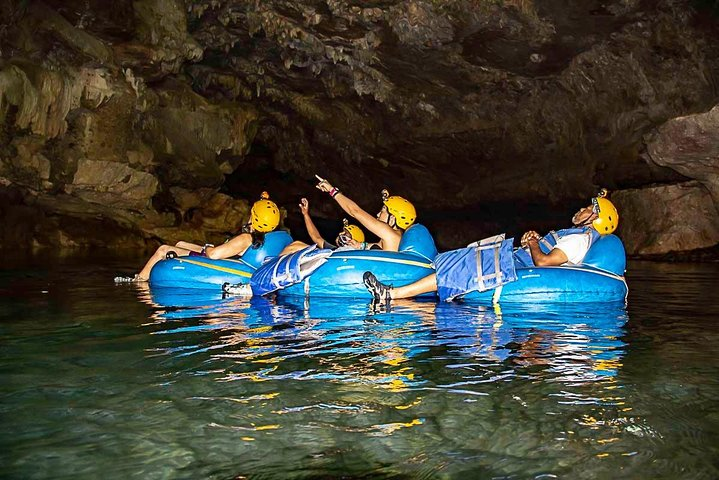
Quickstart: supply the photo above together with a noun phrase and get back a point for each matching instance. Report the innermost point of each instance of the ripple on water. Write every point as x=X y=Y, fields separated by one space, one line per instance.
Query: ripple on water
x=190 y=385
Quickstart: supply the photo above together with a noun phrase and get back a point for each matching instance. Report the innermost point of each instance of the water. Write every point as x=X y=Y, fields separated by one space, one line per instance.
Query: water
x=105 y=381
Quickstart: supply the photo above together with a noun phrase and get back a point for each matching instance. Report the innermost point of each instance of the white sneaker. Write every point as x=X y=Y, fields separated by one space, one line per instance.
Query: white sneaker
x=134 y=279
x=242 y=289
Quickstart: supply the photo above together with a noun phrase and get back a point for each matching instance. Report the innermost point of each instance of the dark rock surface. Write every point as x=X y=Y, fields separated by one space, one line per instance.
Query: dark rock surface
x=690 y=146
x=133 y=117
x=667 y=218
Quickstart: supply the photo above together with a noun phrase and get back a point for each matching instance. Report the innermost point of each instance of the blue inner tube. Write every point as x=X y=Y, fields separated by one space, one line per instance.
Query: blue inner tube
x=341 y=275
x=600 y=278
x=204 y=273
x=567 y=284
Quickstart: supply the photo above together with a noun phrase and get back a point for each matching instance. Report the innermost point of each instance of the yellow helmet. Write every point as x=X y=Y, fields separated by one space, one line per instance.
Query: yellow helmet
x=355 y=232
x=401 y=208
x=264 y=216
x=607 y=216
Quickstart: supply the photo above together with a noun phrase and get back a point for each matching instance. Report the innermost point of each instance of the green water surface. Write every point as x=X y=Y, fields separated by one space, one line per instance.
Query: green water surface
x=106 y=381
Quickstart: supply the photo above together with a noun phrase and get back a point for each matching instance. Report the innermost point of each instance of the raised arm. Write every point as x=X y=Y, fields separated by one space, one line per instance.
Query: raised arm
x=310 y=225
x=389 y=236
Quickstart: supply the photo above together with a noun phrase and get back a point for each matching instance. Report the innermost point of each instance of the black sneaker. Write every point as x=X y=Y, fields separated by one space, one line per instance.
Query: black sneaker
x=379 y=290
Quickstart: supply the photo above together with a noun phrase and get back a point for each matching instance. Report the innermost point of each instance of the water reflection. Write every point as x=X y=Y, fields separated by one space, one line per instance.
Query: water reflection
x=481 y=381
x=349 y=341
x=197 y=386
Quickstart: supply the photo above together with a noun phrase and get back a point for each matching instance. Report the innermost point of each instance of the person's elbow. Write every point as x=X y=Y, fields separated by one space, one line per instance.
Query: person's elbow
x=213 y=253
x=555 y=258
x=544 y=261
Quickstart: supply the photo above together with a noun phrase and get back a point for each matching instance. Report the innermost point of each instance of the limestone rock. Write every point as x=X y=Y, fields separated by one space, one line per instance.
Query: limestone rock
x=112 y=183
x=218 y=219
x=188 y=133
x=190 y=199
x=146 y=109
x=44 y=97
x=162 y=42
x=669 y=218
x=416 y=23
x=28 y=167
x=690 y=145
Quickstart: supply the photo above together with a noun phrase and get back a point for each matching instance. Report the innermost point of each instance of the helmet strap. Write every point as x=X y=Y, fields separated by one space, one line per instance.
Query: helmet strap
x=588 y=221
x=391 y=220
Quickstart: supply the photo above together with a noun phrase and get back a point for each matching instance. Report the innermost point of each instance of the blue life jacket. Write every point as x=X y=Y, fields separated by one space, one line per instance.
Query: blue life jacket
x=417 y=239
x=481 y=266
x=282 y=272
x=522 y=257
x=274 y=243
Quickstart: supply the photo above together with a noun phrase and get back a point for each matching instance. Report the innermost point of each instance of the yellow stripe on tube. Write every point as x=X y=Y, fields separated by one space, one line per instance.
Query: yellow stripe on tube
x=382 y=259
x=217 y=267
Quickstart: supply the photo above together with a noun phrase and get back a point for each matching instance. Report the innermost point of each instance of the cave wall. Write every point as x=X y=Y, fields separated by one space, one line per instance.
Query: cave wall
x=162 y=119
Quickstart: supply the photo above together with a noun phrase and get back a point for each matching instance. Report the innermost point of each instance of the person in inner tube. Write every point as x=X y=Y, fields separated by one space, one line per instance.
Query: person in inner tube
x=601 y=215
x=264 y=218
x=396 y=216
x=351 y=236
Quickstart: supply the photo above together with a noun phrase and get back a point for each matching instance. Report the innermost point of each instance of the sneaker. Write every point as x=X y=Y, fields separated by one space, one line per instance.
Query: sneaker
x=135 y=279
x=379 y=290
x=242 y=289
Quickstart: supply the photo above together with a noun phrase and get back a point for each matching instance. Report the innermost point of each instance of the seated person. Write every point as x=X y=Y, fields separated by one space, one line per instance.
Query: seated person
x=264 y=218
x=396 y=215
x=599 y=218
x=350 y=236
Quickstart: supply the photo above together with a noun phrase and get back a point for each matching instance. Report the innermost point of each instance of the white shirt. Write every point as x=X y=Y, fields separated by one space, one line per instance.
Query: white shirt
x=575 y=247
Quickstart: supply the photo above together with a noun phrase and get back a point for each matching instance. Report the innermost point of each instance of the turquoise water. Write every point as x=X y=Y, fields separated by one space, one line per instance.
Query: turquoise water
x=106 y=381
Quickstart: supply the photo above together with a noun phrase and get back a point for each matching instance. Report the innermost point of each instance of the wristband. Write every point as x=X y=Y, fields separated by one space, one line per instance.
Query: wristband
x=364 y=245
x=333 y=193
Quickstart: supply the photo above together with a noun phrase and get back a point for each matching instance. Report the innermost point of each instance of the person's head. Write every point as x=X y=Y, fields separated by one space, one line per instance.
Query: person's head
x=264 y=215
x=349 y=232
x=601 y=214
x=396 y=211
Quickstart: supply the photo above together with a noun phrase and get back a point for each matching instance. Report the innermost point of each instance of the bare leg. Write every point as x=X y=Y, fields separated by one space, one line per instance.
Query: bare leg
x=293 y=247
x=385 y=293
x=160 y=254
x=423 y=285
x=193 y=247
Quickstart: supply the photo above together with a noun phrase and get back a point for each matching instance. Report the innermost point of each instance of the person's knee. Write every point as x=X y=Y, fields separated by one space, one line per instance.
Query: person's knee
x=213 y=254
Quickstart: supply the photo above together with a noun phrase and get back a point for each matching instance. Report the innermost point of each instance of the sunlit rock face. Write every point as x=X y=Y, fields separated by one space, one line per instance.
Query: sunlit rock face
x=488 y=115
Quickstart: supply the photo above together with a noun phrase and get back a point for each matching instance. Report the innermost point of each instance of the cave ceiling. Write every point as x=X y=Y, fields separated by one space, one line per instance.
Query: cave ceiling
x=455 y=104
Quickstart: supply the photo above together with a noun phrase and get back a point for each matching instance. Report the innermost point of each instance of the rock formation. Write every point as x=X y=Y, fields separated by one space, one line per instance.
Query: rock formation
x=160 y=119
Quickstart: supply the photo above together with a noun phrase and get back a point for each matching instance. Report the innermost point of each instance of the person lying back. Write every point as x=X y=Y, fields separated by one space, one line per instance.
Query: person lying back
x=264 y=218
x=598 y=218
